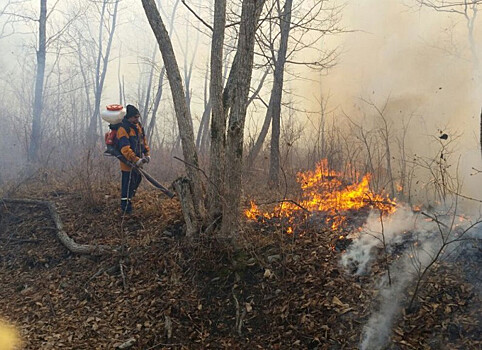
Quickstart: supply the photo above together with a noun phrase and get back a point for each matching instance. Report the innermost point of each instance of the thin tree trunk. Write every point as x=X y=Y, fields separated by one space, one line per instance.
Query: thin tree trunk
x=157 y=101
x=203 y=124
x=121 y=100
x=39 y=83
x=253 y=153
x=147 y=101
x=100 y=76
x=277 y=94
x=205 y=137
x=203 y=128
x=251 y=11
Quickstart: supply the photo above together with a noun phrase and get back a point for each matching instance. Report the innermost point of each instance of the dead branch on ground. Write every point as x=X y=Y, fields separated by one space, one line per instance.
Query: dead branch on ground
x=64 y=238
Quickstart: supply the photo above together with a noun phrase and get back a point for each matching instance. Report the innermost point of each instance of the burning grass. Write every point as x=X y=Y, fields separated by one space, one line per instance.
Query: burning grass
x=328 y=196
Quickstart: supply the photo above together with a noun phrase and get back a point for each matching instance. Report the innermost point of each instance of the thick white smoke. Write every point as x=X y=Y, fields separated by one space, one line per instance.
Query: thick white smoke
x=376 y=230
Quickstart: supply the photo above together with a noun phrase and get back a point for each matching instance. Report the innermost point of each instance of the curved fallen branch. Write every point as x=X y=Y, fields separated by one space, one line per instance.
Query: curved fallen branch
x=64 y=238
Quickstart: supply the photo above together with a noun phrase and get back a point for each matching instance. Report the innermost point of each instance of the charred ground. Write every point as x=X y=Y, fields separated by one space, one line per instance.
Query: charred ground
x=277 y=291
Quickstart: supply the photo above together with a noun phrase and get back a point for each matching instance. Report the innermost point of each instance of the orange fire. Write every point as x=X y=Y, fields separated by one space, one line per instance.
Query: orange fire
x=326 y=191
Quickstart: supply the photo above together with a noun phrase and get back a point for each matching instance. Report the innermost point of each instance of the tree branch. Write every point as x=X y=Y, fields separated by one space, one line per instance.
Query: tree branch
x=196 y=15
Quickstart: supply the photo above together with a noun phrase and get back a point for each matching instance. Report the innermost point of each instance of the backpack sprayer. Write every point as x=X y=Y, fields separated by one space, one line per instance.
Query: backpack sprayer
x=113 y=115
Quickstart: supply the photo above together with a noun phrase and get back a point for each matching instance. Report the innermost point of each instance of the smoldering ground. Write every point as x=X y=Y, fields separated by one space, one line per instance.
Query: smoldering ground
x=414 y=241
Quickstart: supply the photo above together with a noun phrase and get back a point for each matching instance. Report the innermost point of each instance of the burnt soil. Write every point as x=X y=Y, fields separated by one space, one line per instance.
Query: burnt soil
x=274 y=291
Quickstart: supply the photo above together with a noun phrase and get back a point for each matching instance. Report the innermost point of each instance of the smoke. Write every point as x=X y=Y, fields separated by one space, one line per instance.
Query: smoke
x=416 y=60
x=376 y=332
x=470 y=178
x=377 y=230
x=413 y=240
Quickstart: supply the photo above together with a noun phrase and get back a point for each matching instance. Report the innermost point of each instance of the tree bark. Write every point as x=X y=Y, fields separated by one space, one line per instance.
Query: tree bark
x=251 y=11
x=276 y=94
x=201 y=138
x=184 y=191
x=218 y=121
x=39 y=85
x=183 y=116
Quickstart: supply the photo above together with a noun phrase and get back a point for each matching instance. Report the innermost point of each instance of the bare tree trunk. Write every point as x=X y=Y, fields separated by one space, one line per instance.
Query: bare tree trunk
x=205 y=121
x=119 y=80
x=203 y=124
x=253 y=153
x=39 y=83
x=85 y=79
x=101 y=69
x=188 y=69
x=251 y=11
x=204 y=128
x=145 y=111
x=157 y=99
x=218 y=122
x=277 y=94
x=183 y=116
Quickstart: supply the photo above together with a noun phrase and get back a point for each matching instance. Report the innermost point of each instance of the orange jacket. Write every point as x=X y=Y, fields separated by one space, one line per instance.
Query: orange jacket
x=132 y=144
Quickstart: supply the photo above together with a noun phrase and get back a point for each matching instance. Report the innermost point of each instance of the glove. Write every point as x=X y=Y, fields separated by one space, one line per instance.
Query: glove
x=140 y=162
x=147 y=158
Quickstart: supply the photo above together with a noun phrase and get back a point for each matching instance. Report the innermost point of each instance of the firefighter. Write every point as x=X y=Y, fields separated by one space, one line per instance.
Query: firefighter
x=133 y=146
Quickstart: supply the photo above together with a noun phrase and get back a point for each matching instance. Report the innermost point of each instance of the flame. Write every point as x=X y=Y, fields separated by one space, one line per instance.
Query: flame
x=253 y=212
x=416 y=208
x=325 y=190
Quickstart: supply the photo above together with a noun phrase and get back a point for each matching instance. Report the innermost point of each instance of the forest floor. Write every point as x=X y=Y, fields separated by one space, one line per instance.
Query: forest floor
x=165 y=291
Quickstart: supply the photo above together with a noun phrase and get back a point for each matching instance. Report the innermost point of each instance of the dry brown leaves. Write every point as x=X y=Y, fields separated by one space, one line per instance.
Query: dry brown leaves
x=278 y=292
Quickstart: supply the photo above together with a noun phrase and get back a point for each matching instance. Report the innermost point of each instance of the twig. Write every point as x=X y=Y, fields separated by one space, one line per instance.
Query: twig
x=240 y=315
x=210 y=227
x=288 y=201
x=127 y=344
x=168 y=327
x=192 y=166
x=196 y=15
x=434 y=219
x=466 y=197
x=98 y=273
x=124 y=284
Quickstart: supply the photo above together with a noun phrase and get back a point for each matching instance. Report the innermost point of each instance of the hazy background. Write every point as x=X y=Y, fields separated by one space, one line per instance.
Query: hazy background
x=414 y=61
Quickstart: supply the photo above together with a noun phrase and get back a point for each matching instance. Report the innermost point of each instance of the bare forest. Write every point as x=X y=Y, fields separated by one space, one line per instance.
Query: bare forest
x=248 y=174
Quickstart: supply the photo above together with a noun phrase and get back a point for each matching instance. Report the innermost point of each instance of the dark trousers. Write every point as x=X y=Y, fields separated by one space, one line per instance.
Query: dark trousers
x=130 y=183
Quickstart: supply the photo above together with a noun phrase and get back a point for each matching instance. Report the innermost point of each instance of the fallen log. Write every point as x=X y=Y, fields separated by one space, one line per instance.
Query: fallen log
x=64 y=238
